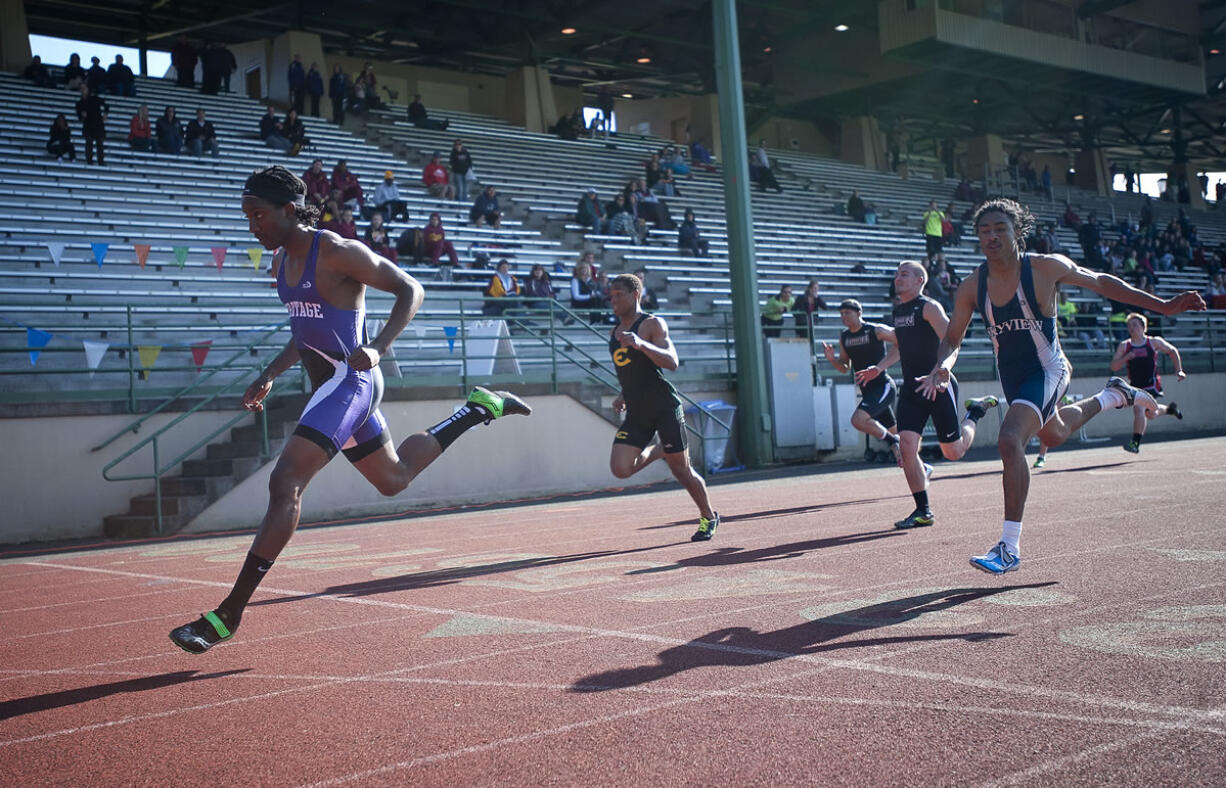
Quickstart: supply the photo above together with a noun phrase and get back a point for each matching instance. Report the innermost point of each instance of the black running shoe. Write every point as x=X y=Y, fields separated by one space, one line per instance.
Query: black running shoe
x=706 y=528
x=1173 y=410
x=202 y=634
x=916 y=520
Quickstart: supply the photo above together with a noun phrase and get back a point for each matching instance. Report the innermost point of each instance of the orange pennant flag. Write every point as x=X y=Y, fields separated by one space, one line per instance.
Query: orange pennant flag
x=142 y=253
x=200 y=352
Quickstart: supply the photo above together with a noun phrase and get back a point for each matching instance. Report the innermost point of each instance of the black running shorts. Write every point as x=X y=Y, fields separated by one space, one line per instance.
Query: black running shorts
x=639 y=428
x=914 y=410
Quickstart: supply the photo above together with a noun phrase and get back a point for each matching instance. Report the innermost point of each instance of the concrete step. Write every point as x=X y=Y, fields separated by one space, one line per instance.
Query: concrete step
x=172 y=505
x=224 y=467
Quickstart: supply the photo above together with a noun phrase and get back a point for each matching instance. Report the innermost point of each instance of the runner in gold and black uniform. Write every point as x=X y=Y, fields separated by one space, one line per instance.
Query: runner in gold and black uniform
x=641 y=350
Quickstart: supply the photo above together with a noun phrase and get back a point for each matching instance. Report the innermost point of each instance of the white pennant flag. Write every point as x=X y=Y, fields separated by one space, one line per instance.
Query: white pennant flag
x=94 y=351
x=418 y=331
x=57 y=251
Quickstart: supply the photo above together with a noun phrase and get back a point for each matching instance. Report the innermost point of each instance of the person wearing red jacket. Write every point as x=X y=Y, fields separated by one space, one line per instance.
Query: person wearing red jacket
x=317 y=183
x=347 y=183
x=437 y=243
x=436 y=179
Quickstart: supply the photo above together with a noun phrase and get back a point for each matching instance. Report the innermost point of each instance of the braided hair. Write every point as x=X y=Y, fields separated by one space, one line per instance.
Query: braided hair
x=279 y=186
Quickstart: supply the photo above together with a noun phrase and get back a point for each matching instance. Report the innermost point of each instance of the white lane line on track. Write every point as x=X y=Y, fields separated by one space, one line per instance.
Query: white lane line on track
x=1189 y=714
x=1028 y=775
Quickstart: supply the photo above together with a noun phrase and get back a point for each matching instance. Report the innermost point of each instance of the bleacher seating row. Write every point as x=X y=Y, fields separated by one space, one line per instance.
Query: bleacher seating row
x=175 y=201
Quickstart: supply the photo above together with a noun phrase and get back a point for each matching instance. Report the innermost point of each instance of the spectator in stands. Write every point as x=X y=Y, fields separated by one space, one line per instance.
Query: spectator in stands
x=1216 y=293
x=870 y=213
x=776 y=307
x=652 y=170
x=502 y=284
x=59 y=139
x=855 y=206
x=674 y=162
x=377 y=239
x=436 y=245
x=585 y=292
x=649 y=300
x=437 y=181
x=538 y=289
x=701 y=156
x=931 y=226
x=140 y=130
x=590 y=214
x=296 y=78
x=766 y=178
x=338 y=90
x=346 y=227
x=649 y=207
x=421 y=119
x=387 y=198
x=1070 y=218
x=272 y=131
x=317 y=184
x=485 y=209
x=95 y=77
x=169 y=132
x=314 y=88
x=295 y=131
x=201 y=136
x=120 y=81
x=569 y=127
x=347 y=184
x=37 y=73
x=666 y=186
x=689 y=238
x=623 y=217
x=216 y=65
x=183 y=57
x=963 y=192
x=92 y=112
x=804 y=309
x=411 y=243
x=1045 y=181
x=370 y=87
x=951 y=231
x=74 y=75
x=461 y=166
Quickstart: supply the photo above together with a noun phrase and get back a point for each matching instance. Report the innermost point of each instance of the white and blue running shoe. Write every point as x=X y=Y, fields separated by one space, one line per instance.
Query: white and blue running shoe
x=997 y=561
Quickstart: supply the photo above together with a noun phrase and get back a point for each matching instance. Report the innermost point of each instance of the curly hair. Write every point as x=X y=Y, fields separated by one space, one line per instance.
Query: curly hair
x=1019 y=215
x=278 y=186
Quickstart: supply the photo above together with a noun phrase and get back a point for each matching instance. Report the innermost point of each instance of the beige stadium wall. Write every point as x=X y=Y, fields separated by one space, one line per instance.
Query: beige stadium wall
x=439 y=89
x=51 y=483
x=562 y=448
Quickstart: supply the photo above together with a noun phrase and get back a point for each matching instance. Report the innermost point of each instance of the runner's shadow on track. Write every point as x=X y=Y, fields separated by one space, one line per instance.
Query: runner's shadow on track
x=447 y=576
x=766 y=513
x=71 y=697
x=728 y=556
x=1080 y=468
x=742 y=646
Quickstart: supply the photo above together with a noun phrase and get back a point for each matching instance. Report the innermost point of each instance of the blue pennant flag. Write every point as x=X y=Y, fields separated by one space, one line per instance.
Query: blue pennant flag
x=99 y=251
x=451 y=332
x=37 y=340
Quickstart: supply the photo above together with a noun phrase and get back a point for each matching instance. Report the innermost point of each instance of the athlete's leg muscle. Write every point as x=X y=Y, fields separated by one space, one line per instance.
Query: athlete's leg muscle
x=679 y=464
x=912 y=467
x=300 y=460
x=1020 y=424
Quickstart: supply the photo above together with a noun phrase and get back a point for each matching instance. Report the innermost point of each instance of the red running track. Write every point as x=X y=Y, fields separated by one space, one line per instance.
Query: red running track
x=590 y=642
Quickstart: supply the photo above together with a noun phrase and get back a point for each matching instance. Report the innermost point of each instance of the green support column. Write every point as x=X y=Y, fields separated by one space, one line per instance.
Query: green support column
x=753 y=413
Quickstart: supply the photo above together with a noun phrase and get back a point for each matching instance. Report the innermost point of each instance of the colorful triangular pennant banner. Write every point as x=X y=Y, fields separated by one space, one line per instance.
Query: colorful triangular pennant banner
x=56 y=250
x=37 y=340
x=200 y=351
x=94 y=352
x=219 y=255
x=255 y=254
x=451 y=332
x=142 y=253
x=181 y=255
x=148 y=357
x=100 y=250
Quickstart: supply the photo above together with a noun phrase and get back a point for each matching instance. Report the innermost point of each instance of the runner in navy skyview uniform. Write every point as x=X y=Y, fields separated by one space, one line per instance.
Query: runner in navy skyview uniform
x=1016 y=294
x=1140 y=354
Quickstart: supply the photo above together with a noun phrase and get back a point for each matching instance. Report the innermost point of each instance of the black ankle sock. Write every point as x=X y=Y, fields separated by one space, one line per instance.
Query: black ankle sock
x=253 y=571
x=975 y=413
x=921 y=501
x=1136 y=438
x=464 y=419
x=891 y=438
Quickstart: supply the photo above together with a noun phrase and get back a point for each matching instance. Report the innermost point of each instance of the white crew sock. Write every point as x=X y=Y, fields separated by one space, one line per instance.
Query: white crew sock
x=1110 y=398
x=1011 y=535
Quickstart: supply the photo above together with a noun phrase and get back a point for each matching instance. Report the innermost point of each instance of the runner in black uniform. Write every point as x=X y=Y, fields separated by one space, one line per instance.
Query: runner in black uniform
x=861 y=350
x=1140 y=353
x=640 y=347
x=919 y=325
